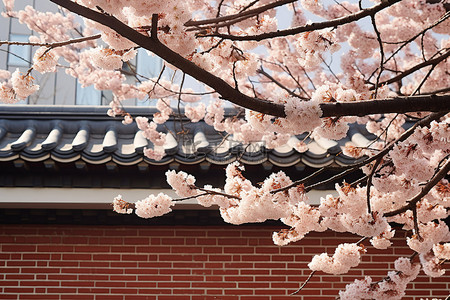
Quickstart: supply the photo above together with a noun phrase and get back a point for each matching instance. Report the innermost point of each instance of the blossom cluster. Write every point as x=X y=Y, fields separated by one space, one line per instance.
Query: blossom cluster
x=391 y=288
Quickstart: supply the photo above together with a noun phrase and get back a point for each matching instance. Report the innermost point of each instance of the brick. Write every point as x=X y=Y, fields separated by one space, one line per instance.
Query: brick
x=254 y=285
x=78 y=283
x=158 y=292
x=199 y=232
x=108 y=297
x=191 y=265
x=109 y=241
x=268 y=250
x=257 y=272
x=93 y=290
x=19 y=276
x=153 y=249
x=74 y=297
x=8 y=283
x=223 y=285
x=54 y=248
x=187 y=278
x=136 y=257
x=94 y=264
x=219 y=257
x=123 y=249
x=40 y=270
x=239 y=278
x=105 y=257
x=206 y=241
x=239 y=292
x=154 y=278
x=174 y=271
x=111 y=284
x=225 y=272
x=232 y=241
x=139 y=284
x=160 y=232
x=18 y=248
x=63 y=263
x=74 y=240
x=123 y=277
x=123 y=264
x=172 y=241
x=124 y=291
x=141 y=271
x=185 y=249
x=137 y=297
x=174 y=285
x=256 y=257
x=17 y=290
x=178 y=257
x=40 y=283
x=60 y=290
x=62 y=277
x=22 y=263
x=77 y=256
x=93 y=277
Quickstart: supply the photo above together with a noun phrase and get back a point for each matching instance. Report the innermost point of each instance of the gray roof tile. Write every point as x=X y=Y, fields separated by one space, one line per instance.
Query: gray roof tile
x=88 y=135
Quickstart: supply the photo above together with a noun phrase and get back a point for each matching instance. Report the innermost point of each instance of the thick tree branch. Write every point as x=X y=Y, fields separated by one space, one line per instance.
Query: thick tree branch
x=310 y=27
x=432 y=103
x=405 y=104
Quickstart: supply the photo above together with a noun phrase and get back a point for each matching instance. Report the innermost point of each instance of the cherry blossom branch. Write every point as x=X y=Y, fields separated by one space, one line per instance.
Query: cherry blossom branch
x=216 y=193
x=53 y=45
x=309 y=27
x=248 y=14
x=352 y=168
x=227 y=92
x=401 y=104
x=380 y=43
x=369 y=182
x=417 y=67
x=413 y=201
x=442 y=19
x=267 y=75
x=304 y=283
x=154 y=30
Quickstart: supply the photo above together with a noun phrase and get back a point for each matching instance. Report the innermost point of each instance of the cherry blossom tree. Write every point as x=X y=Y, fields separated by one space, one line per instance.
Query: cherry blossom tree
x=391 y=64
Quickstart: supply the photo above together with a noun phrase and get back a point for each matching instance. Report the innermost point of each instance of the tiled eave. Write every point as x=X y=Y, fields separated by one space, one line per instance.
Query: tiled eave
x=67 y=134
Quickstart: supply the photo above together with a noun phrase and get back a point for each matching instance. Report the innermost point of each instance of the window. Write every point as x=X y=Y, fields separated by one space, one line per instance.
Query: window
x=19 y=56
x=87 y=95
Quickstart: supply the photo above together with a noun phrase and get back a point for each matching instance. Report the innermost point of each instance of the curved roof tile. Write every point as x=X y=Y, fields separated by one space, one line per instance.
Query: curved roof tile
x=70 y=134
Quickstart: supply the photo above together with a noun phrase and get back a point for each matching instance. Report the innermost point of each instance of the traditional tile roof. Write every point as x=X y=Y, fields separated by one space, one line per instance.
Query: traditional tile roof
x=65 y=134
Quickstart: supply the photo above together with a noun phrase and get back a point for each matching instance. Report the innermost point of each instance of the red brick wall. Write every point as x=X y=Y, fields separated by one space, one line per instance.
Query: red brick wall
x=84 y=262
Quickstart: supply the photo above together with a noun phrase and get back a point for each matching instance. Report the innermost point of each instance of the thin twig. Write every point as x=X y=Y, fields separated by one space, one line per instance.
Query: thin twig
x=53 y=45
x=369 y=182
x=304 y=283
